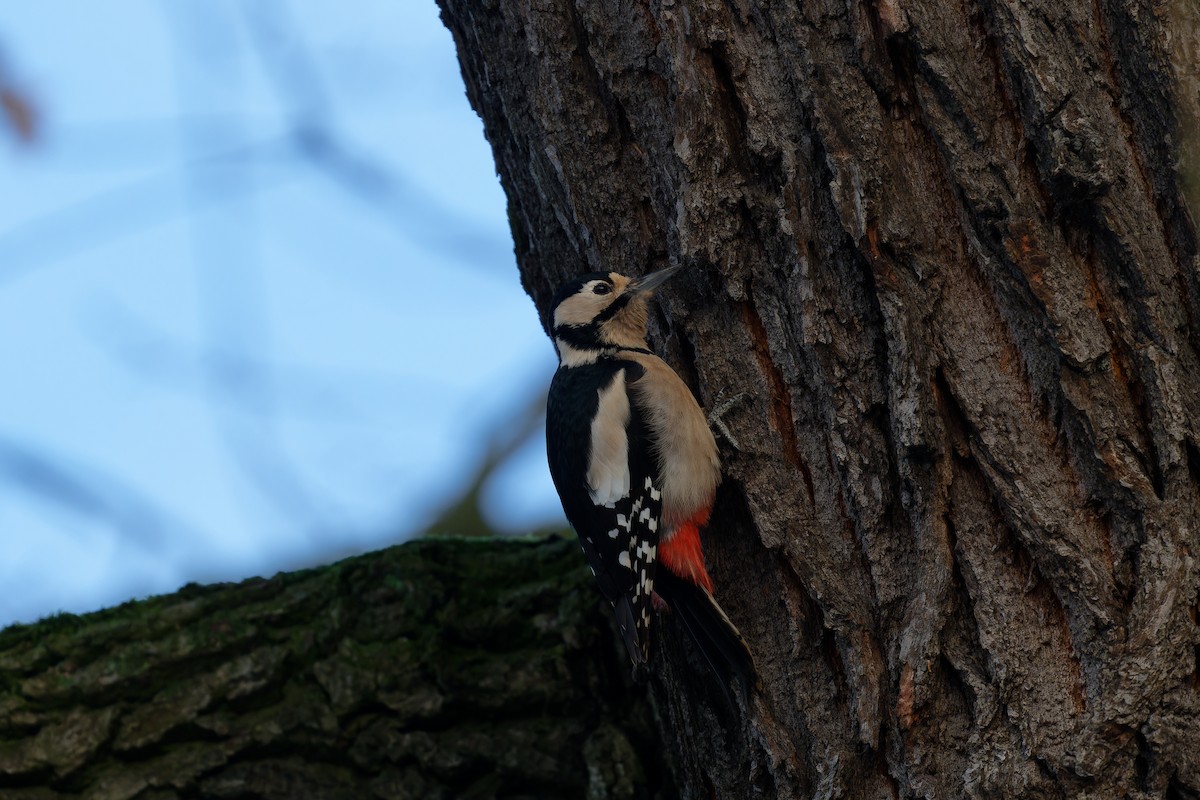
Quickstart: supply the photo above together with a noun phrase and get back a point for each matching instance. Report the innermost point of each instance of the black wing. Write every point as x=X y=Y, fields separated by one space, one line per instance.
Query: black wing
x=620 y=539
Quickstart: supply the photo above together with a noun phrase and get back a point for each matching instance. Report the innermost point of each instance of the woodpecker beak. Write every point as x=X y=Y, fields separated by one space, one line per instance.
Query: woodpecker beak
x=648 y=283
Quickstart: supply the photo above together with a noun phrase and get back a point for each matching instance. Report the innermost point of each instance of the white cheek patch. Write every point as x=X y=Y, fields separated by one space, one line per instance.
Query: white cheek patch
x=608 y=461
x=570 y=356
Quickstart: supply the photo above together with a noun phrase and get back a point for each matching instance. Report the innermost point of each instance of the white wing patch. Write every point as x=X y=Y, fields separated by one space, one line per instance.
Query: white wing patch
x=608 y=462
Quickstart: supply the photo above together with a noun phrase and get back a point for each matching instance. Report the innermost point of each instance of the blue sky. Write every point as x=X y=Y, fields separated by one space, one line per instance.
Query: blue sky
x=258 y=304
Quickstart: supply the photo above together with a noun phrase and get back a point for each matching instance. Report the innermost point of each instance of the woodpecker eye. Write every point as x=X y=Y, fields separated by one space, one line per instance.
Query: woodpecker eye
x=601 y=288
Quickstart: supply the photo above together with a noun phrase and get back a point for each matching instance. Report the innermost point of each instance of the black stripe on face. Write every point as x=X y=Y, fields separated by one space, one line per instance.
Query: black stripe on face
x=614 y=308
x=581 y=337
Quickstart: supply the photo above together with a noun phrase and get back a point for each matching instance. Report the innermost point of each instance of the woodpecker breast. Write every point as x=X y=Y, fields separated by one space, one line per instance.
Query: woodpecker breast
x=688 y=465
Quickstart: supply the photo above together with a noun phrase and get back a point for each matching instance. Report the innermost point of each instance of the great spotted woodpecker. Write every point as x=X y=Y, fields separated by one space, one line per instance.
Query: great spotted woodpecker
x=635 y=466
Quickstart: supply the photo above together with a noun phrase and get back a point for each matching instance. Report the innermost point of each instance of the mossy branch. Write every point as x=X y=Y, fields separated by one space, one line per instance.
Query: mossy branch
x=439 y=668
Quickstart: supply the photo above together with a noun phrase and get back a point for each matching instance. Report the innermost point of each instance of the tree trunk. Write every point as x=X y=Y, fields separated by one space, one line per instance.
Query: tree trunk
x=440 y=669
x=943 y=251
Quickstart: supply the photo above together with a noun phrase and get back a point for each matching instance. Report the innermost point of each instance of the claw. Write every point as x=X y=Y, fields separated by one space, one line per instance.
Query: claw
x=721 y=407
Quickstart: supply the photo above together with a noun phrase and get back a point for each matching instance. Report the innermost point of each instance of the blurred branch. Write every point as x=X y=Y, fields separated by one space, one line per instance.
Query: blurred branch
x=17 y=108
x=295 y=73
x=225 y=260
x=134 y=206
x=87 y=494
x=19 y=112
x=302 y=391
x=464 y=516
x=235 y=366
x=416 y=213
x=120 y=211
x=298 y=80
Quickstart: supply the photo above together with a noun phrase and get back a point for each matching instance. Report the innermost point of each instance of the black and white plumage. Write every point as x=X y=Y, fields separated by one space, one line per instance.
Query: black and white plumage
x=635 y=466
x=608 y=490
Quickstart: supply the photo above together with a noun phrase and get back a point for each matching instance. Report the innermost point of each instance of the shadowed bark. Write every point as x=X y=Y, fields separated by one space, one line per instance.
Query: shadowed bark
x=943 y=251
x=439 y=669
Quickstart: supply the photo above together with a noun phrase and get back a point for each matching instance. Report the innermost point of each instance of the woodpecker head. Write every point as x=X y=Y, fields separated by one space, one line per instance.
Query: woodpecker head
x=602 y=310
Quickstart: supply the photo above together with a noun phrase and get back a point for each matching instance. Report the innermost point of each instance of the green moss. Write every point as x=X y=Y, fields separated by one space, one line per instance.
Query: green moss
x=495 y=654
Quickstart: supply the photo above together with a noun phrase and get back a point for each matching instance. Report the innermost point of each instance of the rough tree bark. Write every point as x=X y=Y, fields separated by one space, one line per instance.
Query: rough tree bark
x=943 y=250
x=440 y=669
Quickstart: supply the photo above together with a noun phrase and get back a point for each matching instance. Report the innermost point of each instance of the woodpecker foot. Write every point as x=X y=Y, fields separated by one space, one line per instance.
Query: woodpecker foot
x=722 y=406
x=659 y=604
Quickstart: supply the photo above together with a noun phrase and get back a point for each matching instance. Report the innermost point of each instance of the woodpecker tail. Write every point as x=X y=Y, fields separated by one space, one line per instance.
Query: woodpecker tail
x=718 y=638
